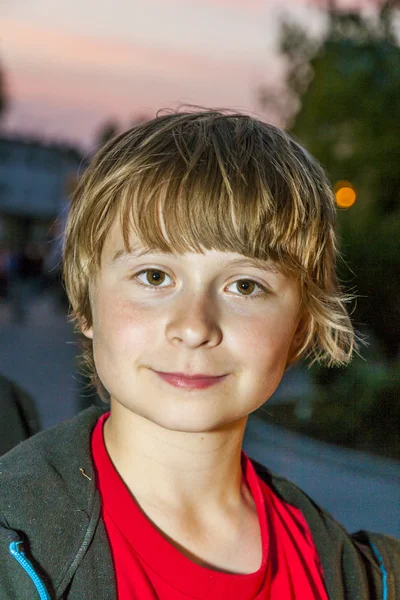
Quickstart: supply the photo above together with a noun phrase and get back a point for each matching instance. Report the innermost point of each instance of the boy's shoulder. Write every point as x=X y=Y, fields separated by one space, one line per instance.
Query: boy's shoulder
x=52 y=443
x=48 y=501
x=378 y=553
x=41 y=468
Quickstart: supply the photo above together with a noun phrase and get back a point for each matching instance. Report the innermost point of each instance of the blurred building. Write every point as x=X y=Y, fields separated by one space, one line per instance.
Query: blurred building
x=35 y=181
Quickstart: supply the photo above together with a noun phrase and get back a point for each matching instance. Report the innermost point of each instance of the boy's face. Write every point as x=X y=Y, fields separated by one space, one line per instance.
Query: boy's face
x=193 y=314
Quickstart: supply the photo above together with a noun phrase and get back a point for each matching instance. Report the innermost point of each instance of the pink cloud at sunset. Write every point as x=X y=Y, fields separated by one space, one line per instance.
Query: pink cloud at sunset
x=80 y=52
x=94 y=78
x=71 y=68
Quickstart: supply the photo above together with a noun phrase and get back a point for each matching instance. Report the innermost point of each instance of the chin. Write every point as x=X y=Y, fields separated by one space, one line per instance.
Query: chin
x=190 y=423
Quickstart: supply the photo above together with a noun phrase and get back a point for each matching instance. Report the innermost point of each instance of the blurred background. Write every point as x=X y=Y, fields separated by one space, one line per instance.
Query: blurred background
x=327 y=71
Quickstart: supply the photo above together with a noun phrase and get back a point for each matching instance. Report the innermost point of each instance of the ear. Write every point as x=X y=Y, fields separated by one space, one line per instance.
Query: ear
x=87 y=331
x=298 y=338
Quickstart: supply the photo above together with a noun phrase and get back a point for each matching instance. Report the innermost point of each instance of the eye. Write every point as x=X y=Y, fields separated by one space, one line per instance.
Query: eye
x=155 y=277
x=247 y=286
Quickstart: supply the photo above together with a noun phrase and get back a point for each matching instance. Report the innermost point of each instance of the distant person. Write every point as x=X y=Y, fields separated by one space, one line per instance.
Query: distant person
x=199 y=261
x=19 y=418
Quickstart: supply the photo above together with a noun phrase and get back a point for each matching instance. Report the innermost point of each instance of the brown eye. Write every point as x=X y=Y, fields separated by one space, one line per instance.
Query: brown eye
x=155 y=276
x=152 y=278
x=246 y=285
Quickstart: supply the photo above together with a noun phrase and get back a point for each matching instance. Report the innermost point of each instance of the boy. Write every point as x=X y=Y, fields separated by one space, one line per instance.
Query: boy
x=199 y=261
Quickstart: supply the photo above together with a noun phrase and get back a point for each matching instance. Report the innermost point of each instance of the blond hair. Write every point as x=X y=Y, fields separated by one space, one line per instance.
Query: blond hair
x=221 y=181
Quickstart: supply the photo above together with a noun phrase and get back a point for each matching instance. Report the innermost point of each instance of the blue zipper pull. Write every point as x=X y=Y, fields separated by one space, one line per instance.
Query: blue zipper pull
x=19 y=555
x=382 y=568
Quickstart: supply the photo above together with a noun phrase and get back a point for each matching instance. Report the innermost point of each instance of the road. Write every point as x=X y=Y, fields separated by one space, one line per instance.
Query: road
x=360 y=490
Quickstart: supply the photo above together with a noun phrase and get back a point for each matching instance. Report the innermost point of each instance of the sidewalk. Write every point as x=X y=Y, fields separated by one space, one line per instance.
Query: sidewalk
x=40 y=356
x=359 y=462
x=360 y=490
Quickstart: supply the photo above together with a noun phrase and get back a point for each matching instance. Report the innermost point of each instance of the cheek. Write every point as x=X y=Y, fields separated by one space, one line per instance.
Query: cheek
x=262 y=349
x=117 y=327
x=266 y=340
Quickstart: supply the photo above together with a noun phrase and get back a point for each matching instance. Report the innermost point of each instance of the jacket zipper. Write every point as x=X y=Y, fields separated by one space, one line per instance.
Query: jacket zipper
x=19 y=555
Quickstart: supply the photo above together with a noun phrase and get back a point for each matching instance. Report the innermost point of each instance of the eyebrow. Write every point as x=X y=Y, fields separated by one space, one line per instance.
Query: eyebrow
x=257 y=263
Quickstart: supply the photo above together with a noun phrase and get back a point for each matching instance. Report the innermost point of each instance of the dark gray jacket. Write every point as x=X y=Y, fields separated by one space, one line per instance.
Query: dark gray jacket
x=19 y=418
x=50 y=514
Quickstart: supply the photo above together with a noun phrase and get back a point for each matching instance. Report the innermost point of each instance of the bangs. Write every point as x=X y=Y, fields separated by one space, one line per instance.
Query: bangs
x=207 y=193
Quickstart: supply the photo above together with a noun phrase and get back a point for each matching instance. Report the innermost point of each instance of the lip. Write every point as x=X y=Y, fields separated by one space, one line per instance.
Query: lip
x=190 y=382
x=195 y=376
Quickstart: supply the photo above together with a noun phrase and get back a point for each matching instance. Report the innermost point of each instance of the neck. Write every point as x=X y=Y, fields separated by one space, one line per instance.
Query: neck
x=193 y=473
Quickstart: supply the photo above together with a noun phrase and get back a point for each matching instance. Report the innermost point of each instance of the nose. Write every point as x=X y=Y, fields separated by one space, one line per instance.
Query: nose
x=195 y=322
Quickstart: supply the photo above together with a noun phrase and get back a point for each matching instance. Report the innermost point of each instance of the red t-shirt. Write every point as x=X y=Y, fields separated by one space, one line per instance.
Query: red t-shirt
x=148 y=567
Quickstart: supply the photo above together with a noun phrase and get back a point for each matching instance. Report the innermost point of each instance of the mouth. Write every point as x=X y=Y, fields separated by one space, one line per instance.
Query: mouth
x=198 y=381
x=189 y=376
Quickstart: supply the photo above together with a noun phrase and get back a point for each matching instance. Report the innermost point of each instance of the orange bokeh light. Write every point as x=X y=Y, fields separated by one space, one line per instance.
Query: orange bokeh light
x=345 y=194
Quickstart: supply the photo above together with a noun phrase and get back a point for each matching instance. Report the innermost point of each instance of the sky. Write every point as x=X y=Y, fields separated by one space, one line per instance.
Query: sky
x=71 y=67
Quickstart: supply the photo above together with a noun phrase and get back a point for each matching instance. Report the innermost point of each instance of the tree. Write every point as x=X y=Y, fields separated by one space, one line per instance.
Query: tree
x=107 y=131
x=112 y=128
x=343 y=105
